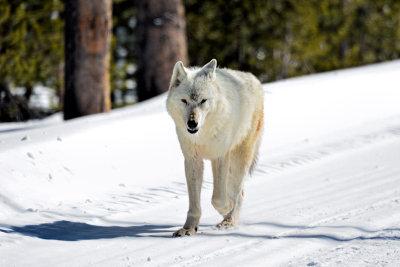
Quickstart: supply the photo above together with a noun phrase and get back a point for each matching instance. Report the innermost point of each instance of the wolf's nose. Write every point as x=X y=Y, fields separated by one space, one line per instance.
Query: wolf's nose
x=192 y=124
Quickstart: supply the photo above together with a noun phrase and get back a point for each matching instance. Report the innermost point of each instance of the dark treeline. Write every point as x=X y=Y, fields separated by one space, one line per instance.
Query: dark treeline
x=273 y=39
x=286 y=38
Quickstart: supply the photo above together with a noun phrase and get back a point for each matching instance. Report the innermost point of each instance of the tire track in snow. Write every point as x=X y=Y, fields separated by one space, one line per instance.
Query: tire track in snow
x=325 y=229
x=11 y=204
x=269 y=165
x=319 y=223
x=157 y=196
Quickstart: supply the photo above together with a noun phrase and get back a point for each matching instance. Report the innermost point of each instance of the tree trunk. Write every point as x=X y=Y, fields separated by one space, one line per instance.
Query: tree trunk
x=161 y=43
x=87 y=52
x=12 y=108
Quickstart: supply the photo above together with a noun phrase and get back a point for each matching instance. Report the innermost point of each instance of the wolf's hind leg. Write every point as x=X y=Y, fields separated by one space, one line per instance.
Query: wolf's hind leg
x=232 y=218
x=241 y=160
x=238 y=172
x=220 y=199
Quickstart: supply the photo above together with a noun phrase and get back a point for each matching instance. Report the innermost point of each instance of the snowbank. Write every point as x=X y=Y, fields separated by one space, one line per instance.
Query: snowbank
x=106 y=190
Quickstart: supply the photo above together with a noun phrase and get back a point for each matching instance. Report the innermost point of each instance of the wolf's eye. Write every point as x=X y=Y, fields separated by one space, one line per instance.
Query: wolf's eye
x=203 y=101
x=184 y=101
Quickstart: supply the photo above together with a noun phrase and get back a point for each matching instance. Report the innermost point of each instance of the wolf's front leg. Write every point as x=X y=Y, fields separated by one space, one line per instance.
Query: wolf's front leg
x=194 y=177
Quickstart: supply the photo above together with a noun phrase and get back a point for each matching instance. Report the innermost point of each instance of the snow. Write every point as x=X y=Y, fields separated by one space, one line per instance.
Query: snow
x=109 y=189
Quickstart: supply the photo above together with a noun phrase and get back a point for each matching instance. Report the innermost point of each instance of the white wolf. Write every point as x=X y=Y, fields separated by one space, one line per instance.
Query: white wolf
x=218 y=115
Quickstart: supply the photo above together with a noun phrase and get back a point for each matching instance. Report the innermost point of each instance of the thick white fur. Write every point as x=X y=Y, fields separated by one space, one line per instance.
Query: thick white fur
x=230 y=124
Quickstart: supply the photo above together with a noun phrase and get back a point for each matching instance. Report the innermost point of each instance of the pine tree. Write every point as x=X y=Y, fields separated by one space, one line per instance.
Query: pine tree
x=31 y=52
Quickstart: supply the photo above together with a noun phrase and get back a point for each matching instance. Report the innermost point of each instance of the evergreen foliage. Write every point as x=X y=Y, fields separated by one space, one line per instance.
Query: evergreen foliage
x=31 y=42
x=272 y=39
x=123 y=67
x=285 y=38
x=31 y=52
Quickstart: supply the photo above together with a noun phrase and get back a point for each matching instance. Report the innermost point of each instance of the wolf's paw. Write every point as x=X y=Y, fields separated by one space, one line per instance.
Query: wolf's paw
x=183 y=232
x=226 y=223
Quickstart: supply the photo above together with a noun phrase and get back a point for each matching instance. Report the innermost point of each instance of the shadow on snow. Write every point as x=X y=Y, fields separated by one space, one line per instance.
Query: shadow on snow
x=75 y=231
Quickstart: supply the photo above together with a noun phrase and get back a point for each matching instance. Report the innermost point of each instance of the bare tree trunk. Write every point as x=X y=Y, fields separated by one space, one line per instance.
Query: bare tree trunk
x=161 y=43
x=12 y=108
x=87 y=52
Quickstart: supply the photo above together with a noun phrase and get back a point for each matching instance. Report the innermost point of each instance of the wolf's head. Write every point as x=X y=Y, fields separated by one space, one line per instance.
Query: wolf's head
x=190 y=96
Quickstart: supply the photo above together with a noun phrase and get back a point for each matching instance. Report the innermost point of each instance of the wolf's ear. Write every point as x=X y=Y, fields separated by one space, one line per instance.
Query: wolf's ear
x=178 y=74
x=208 y=70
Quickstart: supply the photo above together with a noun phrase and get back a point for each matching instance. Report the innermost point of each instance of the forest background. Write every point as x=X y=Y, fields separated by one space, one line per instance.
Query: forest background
x=273 y=39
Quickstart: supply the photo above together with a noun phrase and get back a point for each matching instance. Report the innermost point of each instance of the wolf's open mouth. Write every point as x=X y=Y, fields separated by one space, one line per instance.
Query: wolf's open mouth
x=193 y=131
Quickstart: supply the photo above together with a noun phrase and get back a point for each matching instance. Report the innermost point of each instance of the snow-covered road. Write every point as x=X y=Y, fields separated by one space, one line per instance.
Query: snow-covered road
x=109 y=190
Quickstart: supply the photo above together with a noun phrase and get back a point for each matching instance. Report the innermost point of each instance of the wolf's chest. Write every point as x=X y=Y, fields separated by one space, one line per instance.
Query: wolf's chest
x=212 y=147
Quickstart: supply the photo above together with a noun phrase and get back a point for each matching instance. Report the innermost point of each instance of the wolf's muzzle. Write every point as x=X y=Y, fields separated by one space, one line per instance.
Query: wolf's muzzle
x=192 y=126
